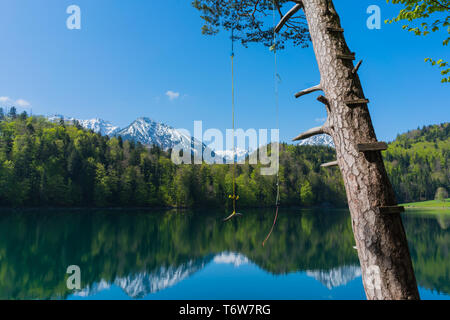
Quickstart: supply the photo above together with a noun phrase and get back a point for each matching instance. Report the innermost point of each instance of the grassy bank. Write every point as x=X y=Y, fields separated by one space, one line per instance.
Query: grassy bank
x=432 y=204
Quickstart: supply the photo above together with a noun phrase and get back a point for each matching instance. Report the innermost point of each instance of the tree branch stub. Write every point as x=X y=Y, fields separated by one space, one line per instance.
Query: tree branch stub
x=308 y=91
x=373 y=146
x=355 y=70
x=323 y=100
x=310 y=133
x=346 y=56
x=356 y=102
x=335 y=29
x=330 y=164
x=391 y=209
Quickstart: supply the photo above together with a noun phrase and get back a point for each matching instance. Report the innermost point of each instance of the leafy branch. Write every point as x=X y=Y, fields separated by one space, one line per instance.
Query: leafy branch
x=423 y=10
x=252 y=21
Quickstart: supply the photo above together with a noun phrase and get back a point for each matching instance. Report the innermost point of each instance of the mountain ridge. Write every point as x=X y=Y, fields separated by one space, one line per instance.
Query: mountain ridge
x=150 y=132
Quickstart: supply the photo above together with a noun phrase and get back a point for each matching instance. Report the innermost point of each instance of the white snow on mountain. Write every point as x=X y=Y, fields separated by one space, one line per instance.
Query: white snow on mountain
x=235 y=259
x=96 y=288
x=336 y=277
x=143 y=130
x=100 y=126
x=319 y=140
x=228 y=154
x=141 y=284
x=149 y=132
x=97 y=125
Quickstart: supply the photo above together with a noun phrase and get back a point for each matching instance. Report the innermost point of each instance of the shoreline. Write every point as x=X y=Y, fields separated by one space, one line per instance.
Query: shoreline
x=428 y=205
x=419 y=207
x=166 y=208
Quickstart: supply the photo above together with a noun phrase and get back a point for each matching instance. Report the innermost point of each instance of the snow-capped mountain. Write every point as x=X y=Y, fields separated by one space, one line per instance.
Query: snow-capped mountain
x=97 y=125
x=141 y=284
x=336 y=277
x=227 y=155
x=233 y=258
x=149 y=132
x=100 y=126
x=319 y=140
x=143 y=130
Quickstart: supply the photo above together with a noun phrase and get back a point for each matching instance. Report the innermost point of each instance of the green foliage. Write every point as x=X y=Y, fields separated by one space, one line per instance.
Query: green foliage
x=433 y=17
x=441 y=194
x=418 y=163
x=50 y=164
x=431 y=204
x=428 y=239
x=43 y=163
x=306 y=193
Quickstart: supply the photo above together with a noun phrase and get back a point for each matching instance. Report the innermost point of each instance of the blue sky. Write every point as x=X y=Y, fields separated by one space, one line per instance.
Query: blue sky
x=129 y=54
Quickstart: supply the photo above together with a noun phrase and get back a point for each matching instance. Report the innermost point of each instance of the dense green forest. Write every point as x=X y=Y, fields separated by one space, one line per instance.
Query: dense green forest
x=43 y=163
x=418 y=163
x=56 y=164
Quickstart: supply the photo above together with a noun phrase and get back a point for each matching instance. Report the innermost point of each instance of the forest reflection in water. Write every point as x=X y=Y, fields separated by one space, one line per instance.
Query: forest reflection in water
x=142 y=253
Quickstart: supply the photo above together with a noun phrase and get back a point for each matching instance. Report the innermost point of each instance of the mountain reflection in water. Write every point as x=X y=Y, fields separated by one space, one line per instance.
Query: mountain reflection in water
x=150 y=254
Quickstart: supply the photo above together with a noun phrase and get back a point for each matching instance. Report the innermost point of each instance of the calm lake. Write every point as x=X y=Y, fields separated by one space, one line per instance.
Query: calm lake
x=195 y=255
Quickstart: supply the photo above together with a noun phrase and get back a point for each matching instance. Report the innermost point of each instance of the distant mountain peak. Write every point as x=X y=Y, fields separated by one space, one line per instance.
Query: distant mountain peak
x=97 y=125
x=100 y=126
x=139 y=285
x=152 y=133
x=319 y=140
x=336 y=277
x=146 y=119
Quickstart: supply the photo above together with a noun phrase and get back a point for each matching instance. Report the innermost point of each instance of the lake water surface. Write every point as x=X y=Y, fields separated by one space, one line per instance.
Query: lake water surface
x=195 y=255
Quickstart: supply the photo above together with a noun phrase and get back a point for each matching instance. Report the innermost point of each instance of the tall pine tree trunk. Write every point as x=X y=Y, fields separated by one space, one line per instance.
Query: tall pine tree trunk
x=377 y=226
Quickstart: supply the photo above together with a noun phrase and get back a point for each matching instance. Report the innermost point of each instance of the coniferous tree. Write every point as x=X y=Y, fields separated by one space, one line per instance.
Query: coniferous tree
x=12 y=113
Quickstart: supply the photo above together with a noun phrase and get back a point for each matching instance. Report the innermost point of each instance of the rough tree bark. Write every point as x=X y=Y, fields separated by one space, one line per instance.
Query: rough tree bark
x=380 y=238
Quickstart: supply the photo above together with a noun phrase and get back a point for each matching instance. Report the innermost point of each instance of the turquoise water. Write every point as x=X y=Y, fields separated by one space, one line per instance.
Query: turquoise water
x=195 y=255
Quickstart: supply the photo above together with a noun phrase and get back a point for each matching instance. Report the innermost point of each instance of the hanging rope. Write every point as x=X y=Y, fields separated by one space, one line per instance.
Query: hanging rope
x=234 y=197
x=233 y=106
x=276 y=80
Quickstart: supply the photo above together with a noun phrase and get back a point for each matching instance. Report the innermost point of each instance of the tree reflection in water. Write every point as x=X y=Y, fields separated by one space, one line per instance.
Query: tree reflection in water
x=145 y=251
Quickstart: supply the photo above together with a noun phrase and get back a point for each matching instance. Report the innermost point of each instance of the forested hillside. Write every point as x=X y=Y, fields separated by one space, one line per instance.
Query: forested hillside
x=418 y=162
x=49 y=164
